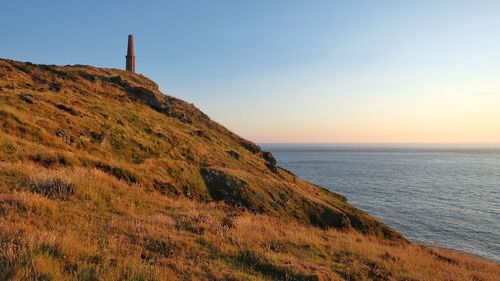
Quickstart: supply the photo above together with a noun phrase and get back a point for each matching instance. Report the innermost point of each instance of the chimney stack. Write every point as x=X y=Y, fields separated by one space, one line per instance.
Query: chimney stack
x=130 y=62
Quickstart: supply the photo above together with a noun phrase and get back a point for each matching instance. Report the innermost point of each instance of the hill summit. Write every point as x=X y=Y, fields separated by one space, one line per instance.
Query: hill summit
x=103 y=177
x=121 y=124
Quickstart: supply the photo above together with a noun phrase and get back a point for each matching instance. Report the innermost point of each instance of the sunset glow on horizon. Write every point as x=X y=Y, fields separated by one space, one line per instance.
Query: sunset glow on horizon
x=294 y=71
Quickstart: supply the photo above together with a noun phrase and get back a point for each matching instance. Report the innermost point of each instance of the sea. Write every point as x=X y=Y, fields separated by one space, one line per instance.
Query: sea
x=442 y=195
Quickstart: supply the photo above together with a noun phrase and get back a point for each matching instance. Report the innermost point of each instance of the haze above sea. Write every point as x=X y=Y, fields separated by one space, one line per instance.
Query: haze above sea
x=447 y=195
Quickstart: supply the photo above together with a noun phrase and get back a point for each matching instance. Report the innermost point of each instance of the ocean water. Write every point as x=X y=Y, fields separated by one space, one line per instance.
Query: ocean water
x=443 y=195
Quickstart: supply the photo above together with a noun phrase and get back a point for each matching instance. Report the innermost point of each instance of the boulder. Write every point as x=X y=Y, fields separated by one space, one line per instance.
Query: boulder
x=227 y=188
x=26 y=98
x=234 y=154
x=268 y=156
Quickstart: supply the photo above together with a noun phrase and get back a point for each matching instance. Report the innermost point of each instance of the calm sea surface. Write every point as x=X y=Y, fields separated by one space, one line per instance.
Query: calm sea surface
x=444 y=195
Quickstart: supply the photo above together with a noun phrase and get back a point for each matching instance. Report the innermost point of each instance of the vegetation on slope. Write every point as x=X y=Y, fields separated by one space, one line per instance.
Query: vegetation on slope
x=102 y=177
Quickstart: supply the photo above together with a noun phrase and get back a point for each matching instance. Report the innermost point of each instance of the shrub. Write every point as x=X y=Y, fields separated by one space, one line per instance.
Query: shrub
x=87 y=274
x=52 y=188
x=117 y=172
x=49 y=249
x=165 y=249
x=8 y=147
x=67 y=109
x=49 y=160
x=262 y=265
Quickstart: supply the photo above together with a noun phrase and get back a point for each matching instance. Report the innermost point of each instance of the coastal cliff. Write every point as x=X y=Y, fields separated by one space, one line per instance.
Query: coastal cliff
x=103 y=177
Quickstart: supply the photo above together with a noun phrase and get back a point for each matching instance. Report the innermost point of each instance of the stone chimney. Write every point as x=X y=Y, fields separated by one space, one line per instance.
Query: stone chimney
x=130 y=62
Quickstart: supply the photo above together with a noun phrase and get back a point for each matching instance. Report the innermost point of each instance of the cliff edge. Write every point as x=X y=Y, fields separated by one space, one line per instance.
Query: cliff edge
x=103 y=177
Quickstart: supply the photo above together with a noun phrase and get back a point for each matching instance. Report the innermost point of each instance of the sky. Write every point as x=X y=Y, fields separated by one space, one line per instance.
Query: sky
x=291 y=71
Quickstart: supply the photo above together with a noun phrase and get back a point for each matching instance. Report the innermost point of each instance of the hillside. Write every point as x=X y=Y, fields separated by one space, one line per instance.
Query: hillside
x=103 y=177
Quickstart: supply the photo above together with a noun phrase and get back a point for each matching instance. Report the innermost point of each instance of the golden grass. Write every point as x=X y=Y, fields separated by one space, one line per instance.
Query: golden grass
x=106 y=188
x=109 y=230
x=121 y=124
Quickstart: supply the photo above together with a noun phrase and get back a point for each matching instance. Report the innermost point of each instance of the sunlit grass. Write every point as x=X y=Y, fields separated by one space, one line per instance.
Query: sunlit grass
x=106 y=188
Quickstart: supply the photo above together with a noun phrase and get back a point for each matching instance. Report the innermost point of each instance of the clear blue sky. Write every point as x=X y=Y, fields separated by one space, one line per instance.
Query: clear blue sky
x=291 y=71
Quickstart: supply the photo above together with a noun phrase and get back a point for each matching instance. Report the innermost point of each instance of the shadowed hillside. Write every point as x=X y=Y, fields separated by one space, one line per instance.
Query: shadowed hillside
x=103 y=177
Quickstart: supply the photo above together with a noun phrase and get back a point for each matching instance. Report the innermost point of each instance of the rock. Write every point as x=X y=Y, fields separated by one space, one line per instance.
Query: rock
x=183 y=118
x=84 y=137
x=268 y=156
x=88 y=76
x=161 y=135
x=156 y=101
x=65 y=136
x=67 y=109
x=228 y=188
x=272 y=168
x=259 y=196
x=234 y=154
x=98 y=137
x=116 y=79
x=149 y=97
x=271 y=161
x=250 y=146
x=56 y=87
x=26 y=97
x=202 y=134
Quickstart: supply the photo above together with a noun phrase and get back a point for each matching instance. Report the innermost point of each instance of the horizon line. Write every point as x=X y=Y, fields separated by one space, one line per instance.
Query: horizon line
x=383 y=143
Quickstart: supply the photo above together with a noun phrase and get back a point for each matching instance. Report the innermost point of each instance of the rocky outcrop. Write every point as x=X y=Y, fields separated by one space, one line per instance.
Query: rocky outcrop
x=234 y=154
x=270 y=161
x=225 y=187
x=250 y=146
x=268 y=156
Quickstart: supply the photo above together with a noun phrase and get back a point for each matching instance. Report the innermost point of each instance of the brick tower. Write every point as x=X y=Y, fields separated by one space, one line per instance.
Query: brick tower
x=130 y=63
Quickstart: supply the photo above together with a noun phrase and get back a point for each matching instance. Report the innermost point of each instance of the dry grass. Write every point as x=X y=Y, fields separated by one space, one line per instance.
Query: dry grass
x=112 y=231
x=107 y=188
x=109 y=230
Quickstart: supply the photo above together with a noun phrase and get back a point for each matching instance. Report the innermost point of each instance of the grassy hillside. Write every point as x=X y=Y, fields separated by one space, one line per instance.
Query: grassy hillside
x=102 y=177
